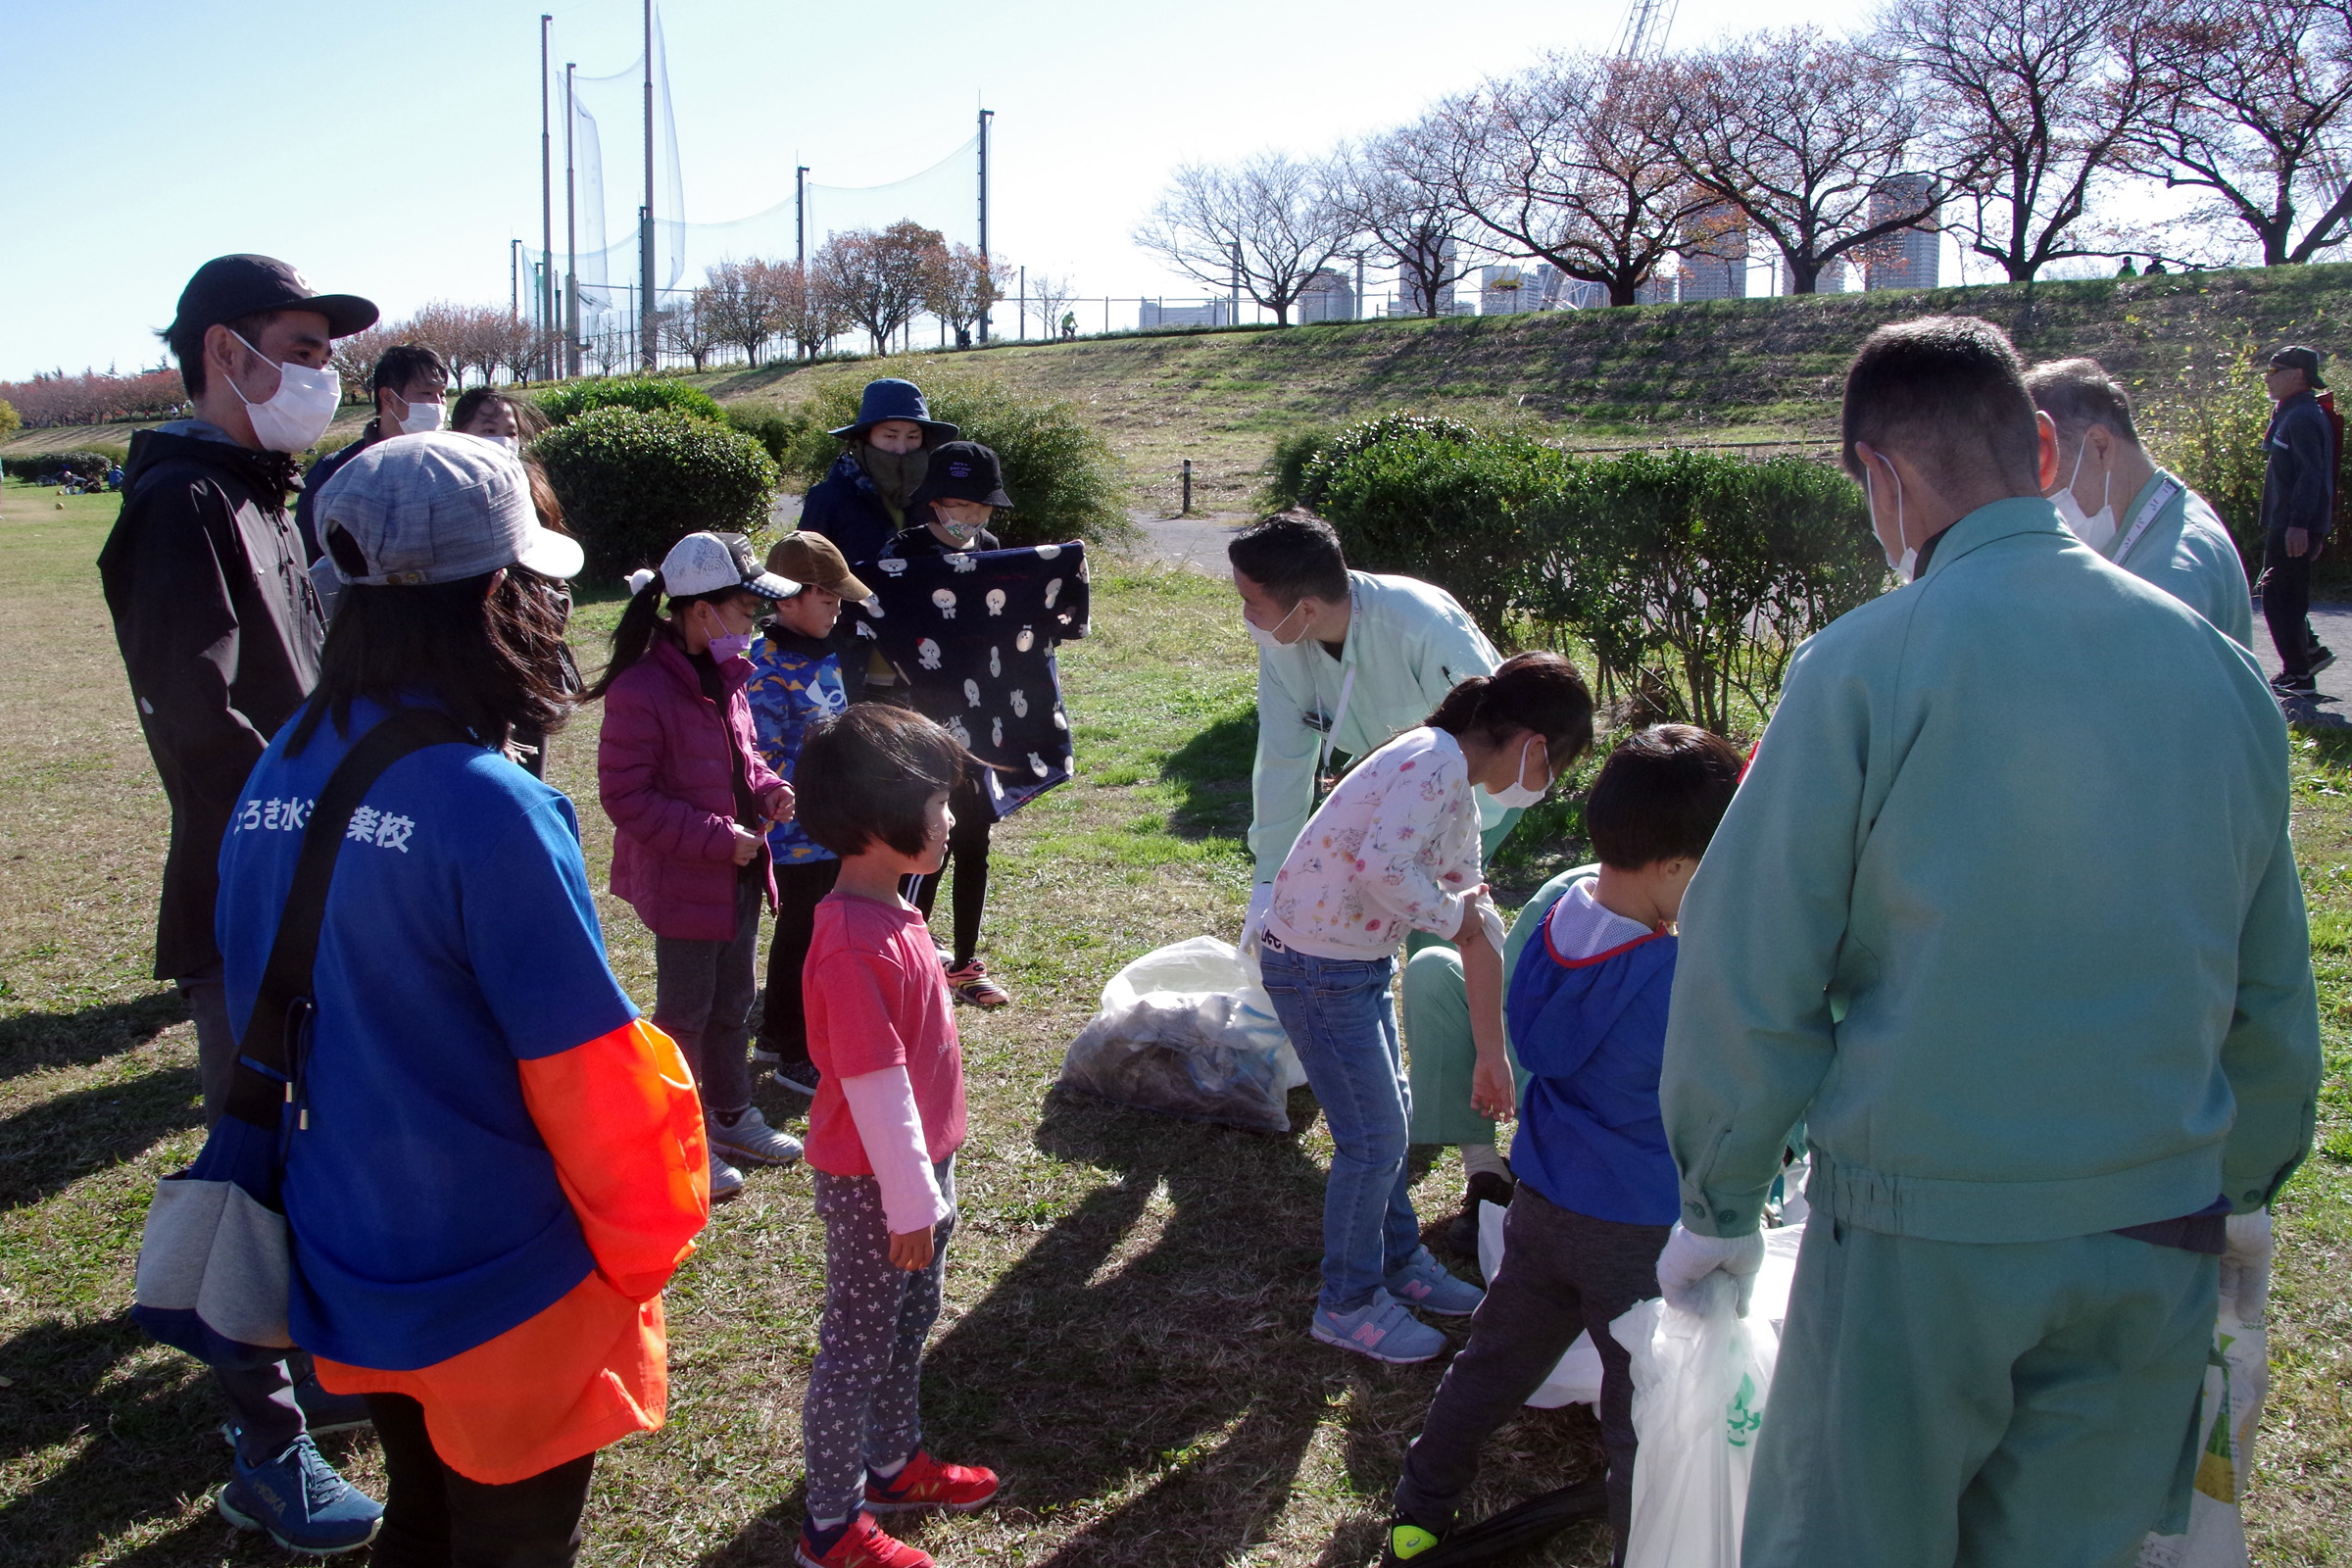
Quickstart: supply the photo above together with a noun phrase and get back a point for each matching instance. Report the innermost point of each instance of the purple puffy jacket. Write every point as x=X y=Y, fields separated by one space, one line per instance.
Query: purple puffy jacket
x=662 y=774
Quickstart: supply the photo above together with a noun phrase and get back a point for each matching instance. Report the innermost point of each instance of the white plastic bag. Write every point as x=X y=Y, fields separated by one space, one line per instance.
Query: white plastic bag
x=1700 y=1384
x=2237 y=1378
x=1188 y=1030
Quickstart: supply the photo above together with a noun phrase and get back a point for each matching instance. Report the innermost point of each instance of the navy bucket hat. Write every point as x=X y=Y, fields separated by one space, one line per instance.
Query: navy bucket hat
x=893 y=399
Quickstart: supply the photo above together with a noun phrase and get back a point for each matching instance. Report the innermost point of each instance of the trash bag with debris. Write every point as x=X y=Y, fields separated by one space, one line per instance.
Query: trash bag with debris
x=1187 y=1031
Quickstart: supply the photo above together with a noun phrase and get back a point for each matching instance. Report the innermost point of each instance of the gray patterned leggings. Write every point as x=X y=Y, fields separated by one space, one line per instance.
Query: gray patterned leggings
x=864 y=1402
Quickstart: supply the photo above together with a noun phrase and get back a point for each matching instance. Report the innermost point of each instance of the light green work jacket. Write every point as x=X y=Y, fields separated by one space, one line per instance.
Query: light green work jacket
x=2187 y=552
x=1408 y=644
x=2006 y=910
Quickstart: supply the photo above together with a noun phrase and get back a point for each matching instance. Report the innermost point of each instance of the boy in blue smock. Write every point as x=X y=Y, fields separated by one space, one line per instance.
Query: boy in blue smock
x=1596 y=1194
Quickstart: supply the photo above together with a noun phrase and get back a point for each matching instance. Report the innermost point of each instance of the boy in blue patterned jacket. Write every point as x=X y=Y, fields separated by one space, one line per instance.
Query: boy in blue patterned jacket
x=796 y=680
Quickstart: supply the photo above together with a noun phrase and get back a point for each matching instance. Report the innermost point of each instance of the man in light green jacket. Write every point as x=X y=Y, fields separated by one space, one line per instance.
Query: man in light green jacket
x=2006 y=913
x=2144 y=519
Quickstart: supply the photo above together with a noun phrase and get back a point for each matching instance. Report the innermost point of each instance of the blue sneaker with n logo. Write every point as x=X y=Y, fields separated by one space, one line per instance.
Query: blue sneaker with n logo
x=299 y=1503
x=1381 y=1329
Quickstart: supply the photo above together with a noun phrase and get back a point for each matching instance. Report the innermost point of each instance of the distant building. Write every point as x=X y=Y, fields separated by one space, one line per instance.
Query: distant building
x=1661 y=287
x=1210 y=312
x=1714 y=251
x=1326 y=297
x=1580 y=296
x=1511 y=290
x=1909 y=257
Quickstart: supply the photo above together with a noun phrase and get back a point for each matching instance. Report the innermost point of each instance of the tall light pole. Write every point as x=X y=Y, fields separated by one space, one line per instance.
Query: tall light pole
x=547 y=209
x=571 y=239
x=645 y=215
x=986 y=114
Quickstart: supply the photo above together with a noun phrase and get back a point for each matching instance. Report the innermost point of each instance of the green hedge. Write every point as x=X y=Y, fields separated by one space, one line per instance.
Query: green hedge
x=633 y=483
x=781 y=431
x=647 y=394
x=51 y=468
x=1064 y=479
x=1690 y=577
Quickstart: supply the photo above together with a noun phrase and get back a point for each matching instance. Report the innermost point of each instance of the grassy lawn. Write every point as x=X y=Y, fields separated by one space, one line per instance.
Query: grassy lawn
x=1127 y=1298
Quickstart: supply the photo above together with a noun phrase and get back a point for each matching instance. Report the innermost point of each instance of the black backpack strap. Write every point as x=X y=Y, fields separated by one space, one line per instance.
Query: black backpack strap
x=264 y=1073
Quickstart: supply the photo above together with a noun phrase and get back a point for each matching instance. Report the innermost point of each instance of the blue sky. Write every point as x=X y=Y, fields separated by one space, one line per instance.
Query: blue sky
x=392 y=150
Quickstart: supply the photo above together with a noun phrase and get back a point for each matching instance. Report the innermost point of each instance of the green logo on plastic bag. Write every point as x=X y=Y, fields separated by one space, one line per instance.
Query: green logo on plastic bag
x=1742 y=1417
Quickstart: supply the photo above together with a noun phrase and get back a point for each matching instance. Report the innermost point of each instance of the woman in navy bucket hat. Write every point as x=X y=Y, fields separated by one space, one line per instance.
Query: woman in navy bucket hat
x=861 y=502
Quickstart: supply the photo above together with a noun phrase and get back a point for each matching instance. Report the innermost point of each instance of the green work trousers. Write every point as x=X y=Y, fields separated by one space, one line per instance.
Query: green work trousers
x=1440 y=1057
x=2029 y=1404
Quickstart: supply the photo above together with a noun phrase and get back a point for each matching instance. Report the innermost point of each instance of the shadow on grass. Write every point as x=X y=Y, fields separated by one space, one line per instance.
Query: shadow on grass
x=31 y=1041
x=48 y=1146
x=143 y=1442
x=1211 y=776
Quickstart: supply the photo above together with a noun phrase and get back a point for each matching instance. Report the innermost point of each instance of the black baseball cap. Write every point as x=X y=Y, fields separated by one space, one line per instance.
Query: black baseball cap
x=227 y=288
x=962 y=470
x=2296 y=357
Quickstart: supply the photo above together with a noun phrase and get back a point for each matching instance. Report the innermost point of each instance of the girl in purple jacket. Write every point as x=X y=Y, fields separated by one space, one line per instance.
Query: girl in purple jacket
x=680 y=772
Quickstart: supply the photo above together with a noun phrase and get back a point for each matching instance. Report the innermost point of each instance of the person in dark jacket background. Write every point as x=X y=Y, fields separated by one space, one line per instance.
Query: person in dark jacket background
x=220 y=630
x=861 y=502
x=408 y=383
x=2298 y=501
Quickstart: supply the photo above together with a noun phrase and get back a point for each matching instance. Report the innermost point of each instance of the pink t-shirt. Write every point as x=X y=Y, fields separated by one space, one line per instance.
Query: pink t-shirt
x=877 y=999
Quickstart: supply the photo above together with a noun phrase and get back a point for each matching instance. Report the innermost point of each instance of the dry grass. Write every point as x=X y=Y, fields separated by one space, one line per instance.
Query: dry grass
x=1127 y=1300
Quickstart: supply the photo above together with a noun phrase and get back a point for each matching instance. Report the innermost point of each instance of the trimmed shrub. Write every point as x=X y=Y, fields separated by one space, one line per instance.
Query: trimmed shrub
x=51 y=468
x=1449 y=511
x=647 y=394
x=1315 y=469
x=632 y=483
x=1064 y=481
x=780 y=430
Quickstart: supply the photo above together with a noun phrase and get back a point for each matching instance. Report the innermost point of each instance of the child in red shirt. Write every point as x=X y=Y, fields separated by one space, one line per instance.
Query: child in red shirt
x=883 y=1132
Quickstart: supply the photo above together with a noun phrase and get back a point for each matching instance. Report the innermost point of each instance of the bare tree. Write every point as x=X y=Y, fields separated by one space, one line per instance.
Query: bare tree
x=1568 y=162
x=354 y=355
x=522 y=348
x=737 y=306
x=966 y=288
x=610 y=350
x=1398 y=192
x=2256 y=111
x=2039 y=99
x=687 y=328
x=1820 y=142
x=1266 y=226
x=805 y=312
x=1047 y=297
x=882 y=278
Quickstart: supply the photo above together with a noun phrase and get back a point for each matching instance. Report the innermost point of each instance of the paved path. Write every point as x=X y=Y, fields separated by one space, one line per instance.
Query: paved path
x=1196 y=543
x=2333 y=705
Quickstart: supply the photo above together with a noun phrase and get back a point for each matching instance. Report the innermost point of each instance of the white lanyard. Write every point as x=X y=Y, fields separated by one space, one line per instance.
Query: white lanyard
x=2155 y=504
x=1331 y=736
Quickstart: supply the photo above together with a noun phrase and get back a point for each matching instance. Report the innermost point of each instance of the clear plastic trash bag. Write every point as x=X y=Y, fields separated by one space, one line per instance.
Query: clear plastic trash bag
x=1188 y=1030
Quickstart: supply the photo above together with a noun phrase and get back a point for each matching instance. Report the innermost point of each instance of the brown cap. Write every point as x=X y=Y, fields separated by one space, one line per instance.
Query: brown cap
x=815 y=560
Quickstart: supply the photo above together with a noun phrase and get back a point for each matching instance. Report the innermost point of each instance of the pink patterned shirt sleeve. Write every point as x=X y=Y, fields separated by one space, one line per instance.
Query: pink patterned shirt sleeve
x=1393 y=849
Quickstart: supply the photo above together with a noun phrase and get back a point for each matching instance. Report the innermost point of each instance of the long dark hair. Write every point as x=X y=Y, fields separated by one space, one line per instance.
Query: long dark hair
x=639 y=624
x=491 y=655
x=1538 y=691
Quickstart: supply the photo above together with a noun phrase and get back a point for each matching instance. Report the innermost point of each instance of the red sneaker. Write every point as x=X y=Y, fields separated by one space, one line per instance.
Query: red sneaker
x=862 y=1544
x=925 y=1483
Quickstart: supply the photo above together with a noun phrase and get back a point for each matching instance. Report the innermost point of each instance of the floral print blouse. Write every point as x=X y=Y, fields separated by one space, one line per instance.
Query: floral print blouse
x=1395 y=849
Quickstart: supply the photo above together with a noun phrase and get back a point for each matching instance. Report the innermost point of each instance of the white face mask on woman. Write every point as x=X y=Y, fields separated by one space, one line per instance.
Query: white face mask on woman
x=295 y=416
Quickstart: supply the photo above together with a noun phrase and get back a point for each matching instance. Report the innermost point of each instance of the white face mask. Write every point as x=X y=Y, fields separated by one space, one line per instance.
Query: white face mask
x=299 y=411
x=1516 y=794
x=512 y=444
x=1907 y=557
x=424 y=413
x=2098 y=529
x=1272 y=639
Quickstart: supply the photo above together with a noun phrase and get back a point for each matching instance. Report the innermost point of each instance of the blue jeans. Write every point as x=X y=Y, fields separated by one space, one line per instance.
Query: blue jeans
x=1339 y=1018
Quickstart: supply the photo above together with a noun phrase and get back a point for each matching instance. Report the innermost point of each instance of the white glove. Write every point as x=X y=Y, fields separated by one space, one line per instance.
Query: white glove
x=1262 y=898
x=1690 y=1258
x=2246 y=1266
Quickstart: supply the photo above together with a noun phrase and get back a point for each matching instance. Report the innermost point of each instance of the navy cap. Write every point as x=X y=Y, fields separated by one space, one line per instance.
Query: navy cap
x=894 y=399
x=227 y=288
x=962 y=470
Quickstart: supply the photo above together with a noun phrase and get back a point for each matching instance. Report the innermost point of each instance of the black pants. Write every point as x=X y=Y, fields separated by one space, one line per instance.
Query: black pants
x=436 y=1518
x=2286 y=604
x=967 y=858
x=1563 y=1273
x=784 y=1017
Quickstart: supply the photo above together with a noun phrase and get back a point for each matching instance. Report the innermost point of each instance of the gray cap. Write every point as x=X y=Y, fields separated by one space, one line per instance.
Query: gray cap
x=439 y=507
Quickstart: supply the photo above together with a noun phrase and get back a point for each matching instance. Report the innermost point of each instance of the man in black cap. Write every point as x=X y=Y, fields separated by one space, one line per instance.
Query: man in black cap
x=219 y=630
x=2298 y=502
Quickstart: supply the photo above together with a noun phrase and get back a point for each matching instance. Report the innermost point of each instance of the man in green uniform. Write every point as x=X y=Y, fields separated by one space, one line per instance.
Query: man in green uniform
x=2144 y=519
x=2006 y=913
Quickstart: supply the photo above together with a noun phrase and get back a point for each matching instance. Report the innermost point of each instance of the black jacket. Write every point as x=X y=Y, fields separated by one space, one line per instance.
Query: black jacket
x=220 y=631
x=845 y=507
x=2298 y=484
x=306 y=506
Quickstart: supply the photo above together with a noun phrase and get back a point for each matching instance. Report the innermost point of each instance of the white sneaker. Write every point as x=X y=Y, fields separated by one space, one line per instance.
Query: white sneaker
x=725 y=1180
x=750 y=1140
